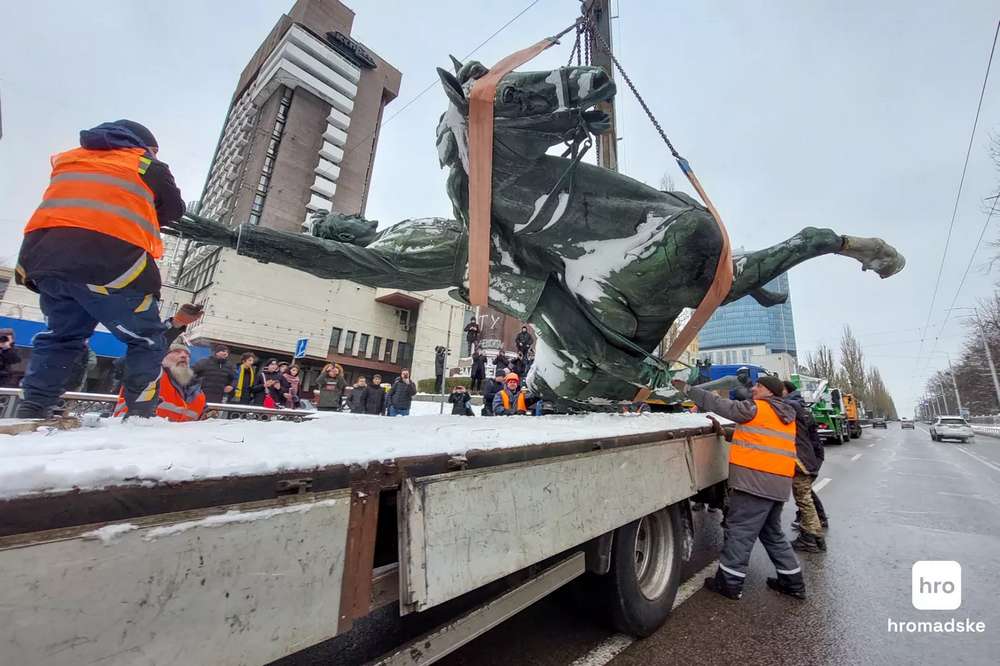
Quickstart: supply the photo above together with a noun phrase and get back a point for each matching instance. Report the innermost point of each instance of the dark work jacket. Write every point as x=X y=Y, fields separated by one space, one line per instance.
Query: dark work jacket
x=489 y=393
x=84 y=256
x=524 y=340
x=460 y=403
x=439 y=363
x=375 y=400
x=357 y=402
x=478 y=366
x=214 y=375
x=808 y=447
x=401 y=394
x=331 y=391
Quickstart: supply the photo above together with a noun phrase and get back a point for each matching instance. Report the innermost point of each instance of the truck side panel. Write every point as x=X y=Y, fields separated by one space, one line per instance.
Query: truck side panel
x=200 y=587
x=464 y=529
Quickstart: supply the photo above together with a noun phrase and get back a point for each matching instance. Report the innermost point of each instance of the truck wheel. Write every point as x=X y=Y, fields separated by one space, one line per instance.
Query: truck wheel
x=845 y=435
x=645 y=571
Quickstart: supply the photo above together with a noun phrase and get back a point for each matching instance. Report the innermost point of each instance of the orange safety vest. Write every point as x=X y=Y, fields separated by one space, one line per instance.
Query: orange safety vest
x=764 y=444
x=102 y=191
x=172 y=405
x=505 y=396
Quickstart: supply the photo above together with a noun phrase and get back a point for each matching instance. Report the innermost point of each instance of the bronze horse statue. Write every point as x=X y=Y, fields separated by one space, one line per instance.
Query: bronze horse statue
x=599 y=263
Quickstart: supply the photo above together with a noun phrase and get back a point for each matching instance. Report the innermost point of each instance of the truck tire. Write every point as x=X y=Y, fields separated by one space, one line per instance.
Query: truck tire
x=645 y=571
x=845 y=434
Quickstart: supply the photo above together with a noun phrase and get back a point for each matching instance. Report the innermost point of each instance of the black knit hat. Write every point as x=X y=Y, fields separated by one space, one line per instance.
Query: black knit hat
x=140 y=131
x=772 y=384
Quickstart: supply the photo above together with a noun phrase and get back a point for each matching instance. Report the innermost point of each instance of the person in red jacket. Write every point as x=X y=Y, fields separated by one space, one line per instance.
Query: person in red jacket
x=89 y=250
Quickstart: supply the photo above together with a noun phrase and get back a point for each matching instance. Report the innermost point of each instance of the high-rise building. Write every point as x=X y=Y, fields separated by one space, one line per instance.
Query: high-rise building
x=746 y=332
x=299 y=137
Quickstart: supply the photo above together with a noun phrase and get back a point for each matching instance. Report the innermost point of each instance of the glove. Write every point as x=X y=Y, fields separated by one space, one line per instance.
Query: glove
x=188 y=314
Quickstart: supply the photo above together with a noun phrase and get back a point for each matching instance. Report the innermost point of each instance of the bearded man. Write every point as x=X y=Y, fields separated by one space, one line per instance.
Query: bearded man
x=181 y=398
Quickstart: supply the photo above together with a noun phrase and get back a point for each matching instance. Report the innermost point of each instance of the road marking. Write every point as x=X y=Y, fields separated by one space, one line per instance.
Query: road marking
x=614 y=645
x=856 y=456
x=821 y=484
x=979 y=458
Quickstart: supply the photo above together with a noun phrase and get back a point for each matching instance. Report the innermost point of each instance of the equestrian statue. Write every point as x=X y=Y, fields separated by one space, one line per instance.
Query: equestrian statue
x=598 y=263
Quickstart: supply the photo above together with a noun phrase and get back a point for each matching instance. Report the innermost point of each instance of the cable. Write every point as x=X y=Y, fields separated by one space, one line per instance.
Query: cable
x=434 y=83
x=961 y=184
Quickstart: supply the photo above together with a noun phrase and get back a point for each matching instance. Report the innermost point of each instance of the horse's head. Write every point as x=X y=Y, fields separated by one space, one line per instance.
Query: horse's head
x=532 y=111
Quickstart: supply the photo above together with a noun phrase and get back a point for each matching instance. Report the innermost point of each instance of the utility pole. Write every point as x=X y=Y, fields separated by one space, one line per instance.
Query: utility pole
x=954 y=385
x=989 y=357
x=600 y=12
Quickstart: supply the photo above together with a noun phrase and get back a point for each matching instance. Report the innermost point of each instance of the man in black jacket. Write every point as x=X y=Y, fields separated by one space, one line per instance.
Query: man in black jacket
x=401 y=394
x=8 y=355
x=440 y=355
x=809 y=456
x=524 y=341
x=357 y=402
x=478 y=371
x=375 y=400
x=493 y=386
x=89 y=250
x=459 y=400
x=215 y=374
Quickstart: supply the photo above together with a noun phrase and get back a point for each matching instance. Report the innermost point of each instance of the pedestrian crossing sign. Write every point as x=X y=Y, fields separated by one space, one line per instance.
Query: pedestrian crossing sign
x=300 y=347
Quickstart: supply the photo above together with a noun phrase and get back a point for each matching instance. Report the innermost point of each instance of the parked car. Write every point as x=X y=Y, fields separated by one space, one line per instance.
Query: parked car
x=879 y=422
x=951 y=427
x=906 y=423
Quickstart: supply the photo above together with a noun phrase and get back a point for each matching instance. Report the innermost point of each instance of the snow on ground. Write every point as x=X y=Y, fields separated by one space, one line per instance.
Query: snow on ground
x=120 y=453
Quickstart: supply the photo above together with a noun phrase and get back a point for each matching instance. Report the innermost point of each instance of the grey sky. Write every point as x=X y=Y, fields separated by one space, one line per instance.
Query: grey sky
x=853 y=115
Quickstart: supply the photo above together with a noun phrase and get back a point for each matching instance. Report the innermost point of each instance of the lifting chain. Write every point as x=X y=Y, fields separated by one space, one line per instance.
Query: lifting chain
x=607 y=49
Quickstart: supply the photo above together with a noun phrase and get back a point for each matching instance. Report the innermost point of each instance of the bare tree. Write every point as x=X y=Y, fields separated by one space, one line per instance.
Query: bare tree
x=667 y=182
x=820 y=364
x=852 y=360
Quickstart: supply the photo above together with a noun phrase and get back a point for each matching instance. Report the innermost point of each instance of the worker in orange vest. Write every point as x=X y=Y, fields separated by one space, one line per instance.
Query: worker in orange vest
x=761 y=468
x=180 y=396
x=511 y=399
x=89 y=252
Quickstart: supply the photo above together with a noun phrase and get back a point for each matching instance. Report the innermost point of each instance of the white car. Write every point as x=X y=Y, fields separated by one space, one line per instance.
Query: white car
x=951 y=427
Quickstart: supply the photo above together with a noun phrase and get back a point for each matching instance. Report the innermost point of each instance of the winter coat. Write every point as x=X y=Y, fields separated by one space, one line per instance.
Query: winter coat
x=401 y=394
x=478 y=366
x=89 y=257
x=472 y=331
x=214 y=375
x=808 y=446
x=518 y=401
x=517 y=366
x=439 y=363
x=8 y=359
x=773 y=487
x=357 y=402
x=248 y=386
x=460 y=403
x=501 y=361
x=275 y=390
x=489 y=393
x=524 y=340
x=375 y=400
x=331 y=391
x=290 y=385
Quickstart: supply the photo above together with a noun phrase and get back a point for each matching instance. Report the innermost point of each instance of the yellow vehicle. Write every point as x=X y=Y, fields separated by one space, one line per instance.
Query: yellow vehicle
x=852 y=412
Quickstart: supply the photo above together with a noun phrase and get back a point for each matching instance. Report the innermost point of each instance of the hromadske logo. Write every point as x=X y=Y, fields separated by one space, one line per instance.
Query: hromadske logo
x=937 y=585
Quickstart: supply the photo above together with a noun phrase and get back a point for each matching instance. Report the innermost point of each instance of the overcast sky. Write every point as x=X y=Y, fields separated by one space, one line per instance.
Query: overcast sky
x=851 y=115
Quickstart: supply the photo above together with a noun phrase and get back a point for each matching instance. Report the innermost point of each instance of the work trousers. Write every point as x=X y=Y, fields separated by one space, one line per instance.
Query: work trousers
x=72 y=312
x=750 y=518
x=803 y=492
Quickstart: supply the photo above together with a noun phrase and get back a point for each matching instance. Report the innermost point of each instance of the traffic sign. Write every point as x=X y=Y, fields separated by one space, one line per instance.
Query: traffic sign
x=300 y=347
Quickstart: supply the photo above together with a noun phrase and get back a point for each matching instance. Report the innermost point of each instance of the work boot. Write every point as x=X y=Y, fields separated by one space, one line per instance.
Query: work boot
x=31 y=410
x=718 y=586
x=806 y=543
x=781 y=586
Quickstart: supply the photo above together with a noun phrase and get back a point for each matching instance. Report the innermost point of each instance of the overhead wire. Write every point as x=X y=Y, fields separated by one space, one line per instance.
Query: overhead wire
x=961 y=184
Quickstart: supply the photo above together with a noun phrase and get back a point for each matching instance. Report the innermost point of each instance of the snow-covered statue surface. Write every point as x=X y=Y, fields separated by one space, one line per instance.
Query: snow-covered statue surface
x=599 y=264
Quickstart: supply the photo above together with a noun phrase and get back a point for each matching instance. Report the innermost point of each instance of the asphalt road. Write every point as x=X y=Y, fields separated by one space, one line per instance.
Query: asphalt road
x=893 y=497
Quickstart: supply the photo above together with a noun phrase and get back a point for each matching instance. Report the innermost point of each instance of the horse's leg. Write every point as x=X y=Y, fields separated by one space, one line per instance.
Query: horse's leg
x=753 y=270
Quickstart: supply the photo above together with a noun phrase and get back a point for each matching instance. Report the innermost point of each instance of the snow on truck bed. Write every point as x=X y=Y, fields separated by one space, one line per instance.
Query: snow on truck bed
x=120 y=453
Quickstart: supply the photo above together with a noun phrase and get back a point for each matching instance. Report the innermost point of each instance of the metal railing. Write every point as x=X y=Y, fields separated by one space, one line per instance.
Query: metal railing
x=74 y=403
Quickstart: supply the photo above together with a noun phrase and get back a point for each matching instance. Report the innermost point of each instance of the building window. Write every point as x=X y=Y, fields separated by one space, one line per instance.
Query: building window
x=363 y=345
x=335 y=339
x=401 y=354
x=257 y=208
x=376 y=347
x=388 y=351
x=349 y=342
